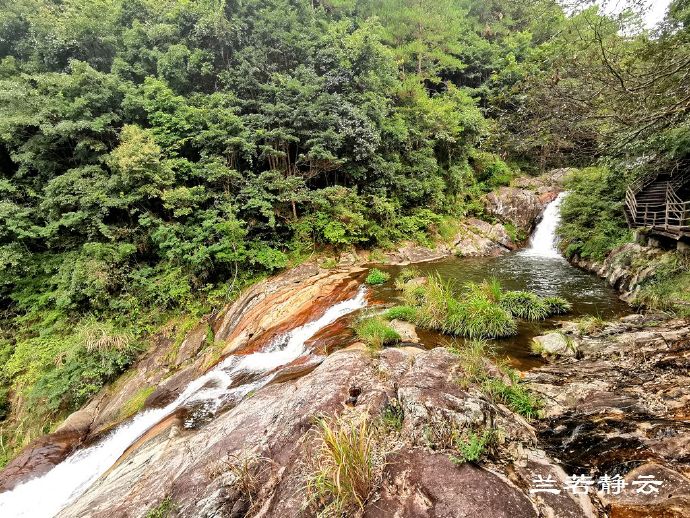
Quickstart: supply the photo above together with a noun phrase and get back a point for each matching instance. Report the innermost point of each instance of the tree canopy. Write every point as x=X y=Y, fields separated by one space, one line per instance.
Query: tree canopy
x=158 y=156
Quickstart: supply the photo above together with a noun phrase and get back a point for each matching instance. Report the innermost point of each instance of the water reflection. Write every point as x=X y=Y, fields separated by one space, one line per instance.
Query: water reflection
x=588 y=294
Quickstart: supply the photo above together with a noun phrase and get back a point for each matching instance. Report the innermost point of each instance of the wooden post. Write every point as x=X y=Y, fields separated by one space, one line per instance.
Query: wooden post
x=668 y=199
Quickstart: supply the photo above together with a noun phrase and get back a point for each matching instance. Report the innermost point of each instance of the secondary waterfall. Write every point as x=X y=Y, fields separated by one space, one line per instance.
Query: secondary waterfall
x=46 y=495
x=543 y=241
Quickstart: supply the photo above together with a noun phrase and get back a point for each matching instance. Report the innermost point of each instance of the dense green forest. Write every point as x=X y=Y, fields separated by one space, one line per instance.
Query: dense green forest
x=158 y=156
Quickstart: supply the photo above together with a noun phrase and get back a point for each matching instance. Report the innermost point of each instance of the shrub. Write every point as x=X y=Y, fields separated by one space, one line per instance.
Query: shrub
x=376 y=332
x=348 y=464
x=376 y=276
x=557 y=305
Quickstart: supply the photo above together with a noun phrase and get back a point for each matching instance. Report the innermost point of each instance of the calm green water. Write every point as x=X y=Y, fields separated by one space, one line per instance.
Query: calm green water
x=588 y=294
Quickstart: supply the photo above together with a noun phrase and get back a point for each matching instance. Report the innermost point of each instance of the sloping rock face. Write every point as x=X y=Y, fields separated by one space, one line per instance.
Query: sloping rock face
x=261 y=313
x=624 y=409
x=626 y=267
x=194 y=468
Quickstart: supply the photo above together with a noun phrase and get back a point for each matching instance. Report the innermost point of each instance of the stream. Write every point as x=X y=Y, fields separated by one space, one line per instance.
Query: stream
x=539 y=268
x=221 y=387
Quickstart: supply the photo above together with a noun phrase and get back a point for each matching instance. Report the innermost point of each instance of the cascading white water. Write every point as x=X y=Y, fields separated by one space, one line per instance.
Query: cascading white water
x=543 y=241
x=46 y=495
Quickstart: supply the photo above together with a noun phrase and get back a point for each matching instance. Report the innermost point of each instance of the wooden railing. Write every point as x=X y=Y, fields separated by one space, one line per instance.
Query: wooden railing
x=672 y=216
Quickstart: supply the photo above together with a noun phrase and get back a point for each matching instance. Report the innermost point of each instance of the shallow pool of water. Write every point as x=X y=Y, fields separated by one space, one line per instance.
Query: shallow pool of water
x=588 y=294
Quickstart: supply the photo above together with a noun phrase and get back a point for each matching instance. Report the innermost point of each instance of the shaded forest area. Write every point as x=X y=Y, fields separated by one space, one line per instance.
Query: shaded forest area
x=157 y=157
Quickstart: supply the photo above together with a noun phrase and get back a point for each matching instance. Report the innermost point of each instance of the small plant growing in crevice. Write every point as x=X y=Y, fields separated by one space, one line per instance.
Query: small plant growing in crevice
x=244 y=472
x=514 y=395
x=393 y=415
x=472 y=446
x=163 y=510
x=377 y=276
x=347 y=466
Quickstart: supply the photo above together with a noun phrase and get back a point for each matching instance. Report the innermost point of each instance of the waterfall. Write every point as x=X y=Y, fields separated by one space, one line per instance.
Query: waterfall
x=543 y=241
x=46 y=495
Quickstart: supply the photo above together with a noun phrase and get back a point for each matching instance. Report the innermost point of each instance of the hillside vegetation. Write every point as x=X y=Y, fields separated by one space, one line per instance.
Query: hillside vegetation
x=157 y=157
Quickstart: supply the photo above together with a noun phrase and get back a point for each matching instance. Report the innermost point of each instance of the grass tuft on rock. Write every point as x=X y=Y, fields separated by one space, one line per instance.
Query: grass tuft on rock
x=472 y=446
x=377 y=276
x=376 y=332
x=347 y=466
x=501 y=383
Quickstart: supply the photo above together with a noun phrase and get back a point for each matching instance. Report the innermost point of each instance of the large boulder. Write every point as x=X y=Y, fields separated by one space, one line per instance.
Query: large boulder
x=521 y=207
x=477 y=238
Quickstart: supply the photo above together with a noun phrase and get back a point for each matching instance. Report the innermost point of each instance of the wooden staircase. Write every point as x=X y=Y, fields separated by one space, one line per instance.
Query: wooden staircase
x=661 y=204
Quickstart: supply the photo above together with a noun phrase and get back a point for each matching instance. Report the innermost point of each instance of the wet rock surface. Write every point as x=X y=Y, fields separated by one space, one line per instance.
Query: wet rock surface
x=192 y=467
x=261 y=313
x=623 y=409
x=626 y=267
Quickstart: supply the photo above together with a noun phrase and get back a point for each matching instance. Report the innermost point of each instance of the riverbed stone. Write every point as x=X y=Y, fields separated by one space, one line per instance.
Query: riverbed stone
x=406 y=330
x=556 y=344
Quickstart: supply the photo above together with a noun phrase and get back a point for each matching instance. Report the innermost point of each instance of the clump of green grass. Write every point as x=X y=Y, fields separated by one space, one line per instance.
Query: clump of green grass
x=472 y=355
x=407 y=313
x=483 y=310
x=557 y=305
x=514 y=395
x=477 y=316
x=511 y=392
x=376 y=332
x=405 y=275
x=347 y=466
x=523 y=304
x=590 y=324
x=162 y=510
x=328 y=263
x=482 y=318
x=377 y=276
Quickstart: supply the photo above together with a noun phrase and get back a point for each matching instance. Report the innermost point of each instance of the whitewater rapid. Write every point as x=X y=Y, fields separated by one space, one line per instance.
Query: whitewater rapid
x=47 y=495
